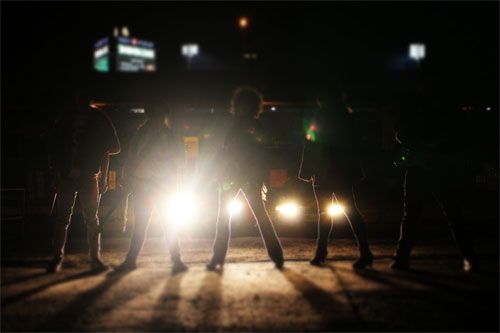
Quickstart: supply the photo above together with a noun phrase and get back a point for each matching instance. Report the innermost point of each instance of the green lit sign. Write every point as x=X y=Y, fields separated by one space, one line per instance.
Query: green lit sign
x=101 y=64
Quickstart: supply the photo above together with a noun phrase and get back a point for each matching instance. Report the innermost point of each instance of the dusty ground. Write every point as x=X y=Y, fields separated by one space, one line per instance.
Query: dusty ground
x=249 y=294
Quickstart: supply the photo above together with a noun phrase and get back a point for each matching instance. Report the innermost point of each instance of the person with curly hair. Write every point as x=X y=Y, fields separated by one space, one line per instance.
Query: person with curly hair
x=242 y=172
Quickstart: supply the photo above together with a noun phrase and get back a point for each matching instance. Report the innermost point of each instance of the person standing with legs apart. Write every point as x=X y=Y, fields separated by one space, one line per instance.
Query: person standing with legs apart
x=431 y=134
x=79 y=149
x=243 y=171
x=153 y=165
x=332 y=158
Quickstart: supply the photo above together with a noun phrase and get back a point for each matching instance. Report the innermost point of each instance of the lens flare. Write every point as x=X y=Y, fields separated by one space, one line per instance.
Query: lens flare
x=335 y=210
x=235 y=207
x=181 y=208
x=288 y=209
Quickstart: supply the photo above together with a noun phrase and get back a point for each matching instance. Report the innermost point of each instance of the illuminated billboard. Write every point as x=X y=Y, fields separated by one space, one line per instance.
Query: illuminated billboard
x=134 y=55
x=124 y=54
x=101 y=55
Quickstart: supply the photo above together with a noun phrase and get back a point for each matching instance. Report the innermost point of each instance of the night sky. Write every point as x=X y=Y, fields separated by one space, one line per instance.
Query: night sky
x=47 y=47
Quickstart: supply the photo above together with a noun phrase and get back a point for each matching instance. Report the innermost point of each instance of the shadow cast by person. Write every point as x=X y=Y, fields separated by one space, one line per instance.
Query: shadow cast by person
x=335 y=316
x=30 y=292
x=24 y=278
x=471 y=310
x=458 y=284
x=212 y=296
x=166 y=306
x=70 y=318
x=24 y=263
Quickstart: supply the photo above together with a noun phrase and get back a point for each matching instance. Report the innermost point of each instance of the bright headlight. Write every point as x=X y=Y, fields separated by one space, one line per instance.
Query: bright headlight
x=335 y=209
x=235 y=207
x=288 y=209
x=181 y=208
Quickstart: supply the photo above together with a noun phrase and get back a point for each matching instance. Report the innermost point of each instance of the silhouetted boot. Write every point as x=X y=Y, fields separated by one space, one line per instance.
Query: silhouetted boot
x=94 y=242
x=58 y=242
x=174 y=249
x=126 y=265
x=405 y=244
x=220 y=250
x=321 y=247
x=400 y=263
x=364 y=260
x=178 y=266
x=275 y=252
x=320 y=256
x=54 y=266
x=217 y=260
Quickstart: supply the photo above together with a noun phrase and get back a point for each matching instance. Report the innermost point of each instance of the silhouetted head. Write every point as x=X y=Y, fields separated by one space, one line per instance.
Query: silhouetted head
x=80 y=112
x=246 y=103
x=157 y=112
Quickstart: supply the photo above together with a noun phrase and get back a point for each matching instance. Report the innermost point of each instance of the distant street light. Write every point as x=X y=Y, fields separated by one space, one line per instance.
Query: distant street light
x=243 y=22
x=125 y=32
x=190 y=51
x=417 y=51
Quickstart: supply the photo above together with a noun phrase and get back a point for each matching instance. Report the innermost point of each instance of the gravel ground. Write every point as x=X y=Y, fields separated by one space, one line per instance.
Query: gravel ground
x=249 y=294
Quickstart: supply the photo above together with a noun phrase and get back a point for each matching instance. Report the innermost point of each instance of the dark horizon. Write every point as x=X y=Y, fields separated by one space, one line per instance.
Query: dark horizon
x=47 y=47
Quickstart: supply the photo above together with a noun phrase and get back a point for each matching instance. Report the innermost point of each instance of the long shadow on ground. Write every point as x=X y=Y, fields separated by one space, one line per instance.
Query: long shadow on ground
x=166 y=307
x=436 y=302
x=69 y=318
x=43 y=287
x=335 y=315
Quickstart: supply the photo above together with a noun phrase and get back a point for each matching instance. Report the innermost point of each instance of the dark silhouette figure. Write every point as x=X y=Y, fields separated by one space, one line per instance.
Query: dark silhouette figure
x=243 y=170
x=331 y=160
x=152 y=168
x=79 y=149
x=431 y=136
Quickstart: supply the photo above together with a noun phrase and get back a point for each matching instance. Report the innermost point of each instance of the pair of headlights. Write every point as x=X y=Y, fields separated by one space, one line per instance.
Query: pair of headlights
x=291 y=209
x=181 y=208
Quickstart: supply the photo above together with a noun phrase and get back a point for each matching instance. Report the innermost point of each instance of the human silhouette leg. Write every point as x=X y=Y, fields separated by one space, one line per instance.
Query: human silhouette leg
x=448 y=197
x=172 y=240
x=143 y=209
x=346 y=196
x=253 y=194
x=325 y=225
x=66 y=196
x=414 y=192
x=89 y=198
x=223 y=228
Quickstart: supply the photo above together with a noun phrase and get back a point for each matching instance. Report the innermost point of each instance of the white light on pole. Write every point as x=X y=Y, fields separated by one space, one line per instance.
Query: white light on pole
x=417 y=51
x=190 y=50
x=125 y=32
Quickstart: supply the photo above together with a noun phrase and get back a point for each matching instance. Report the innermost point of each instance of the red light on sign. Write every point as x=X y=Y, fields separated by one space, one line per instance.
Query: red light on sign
x=308 y=137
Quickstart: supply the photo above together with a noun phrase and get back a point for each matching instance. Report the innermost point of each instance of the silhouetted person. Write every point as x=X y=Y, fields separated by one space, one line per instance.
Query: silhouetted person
x=151 y=172
x=80 y=147
x=431 y=134
x=332 y=158
x=243 y=170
